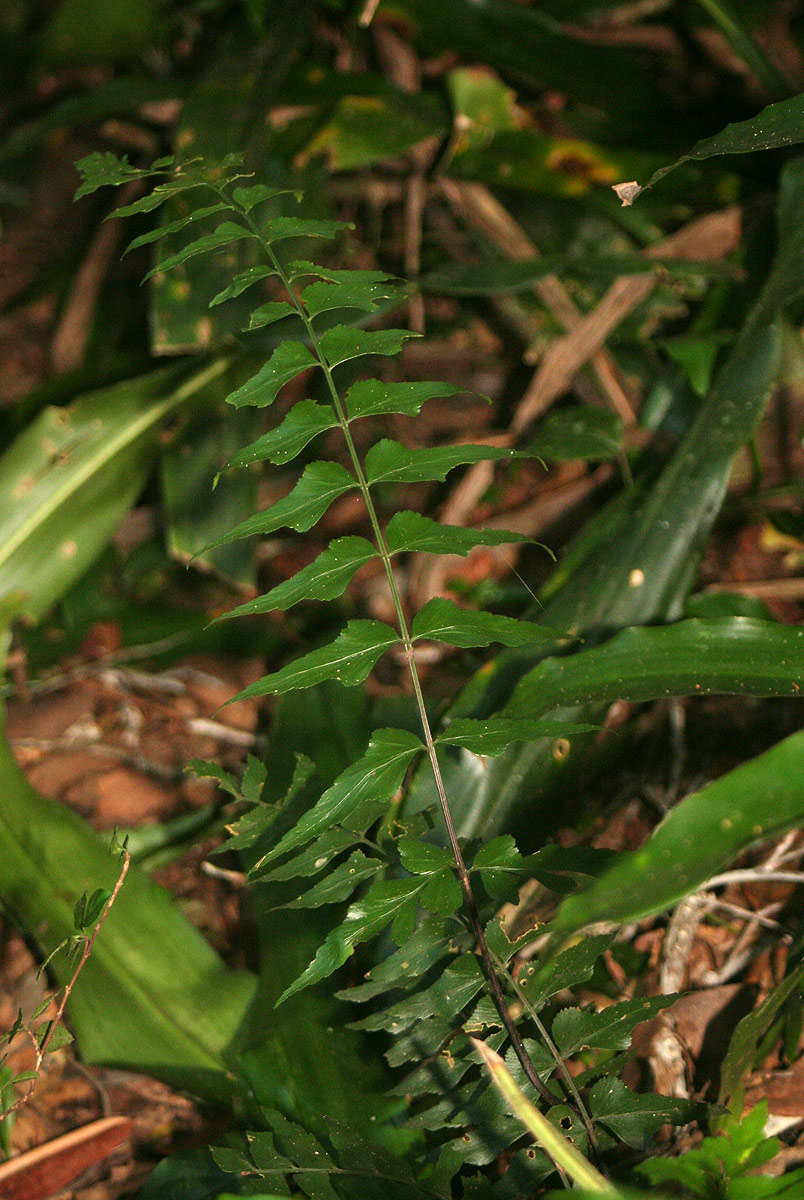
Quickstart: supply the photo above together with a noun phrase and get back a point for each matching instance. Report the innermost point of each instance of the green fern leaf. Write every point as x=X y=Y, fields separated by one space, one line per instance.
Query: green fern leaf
x=349 y=659
x=103 y=169
x=342 y=343
x=320 y=484
x=312 y=860
x=391 y=462
x=303 y=423
x=576 y=1028
x=287 y=361
x=374 y=398
x=388 y=902
x=270 y=313
x=338 y=884
x=280 y=228
x=324 y=579
x=410 y=532
x=241 y=282
x=161 y=231
x=374 y=778
x=443 y=621
x=324 y=297
x=257 y=193
x=225 y=235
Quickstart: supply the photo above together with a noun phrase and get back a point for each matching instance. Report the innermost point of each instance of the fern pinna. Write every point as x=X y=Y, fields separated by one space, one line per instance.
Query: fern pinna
x=442 y=959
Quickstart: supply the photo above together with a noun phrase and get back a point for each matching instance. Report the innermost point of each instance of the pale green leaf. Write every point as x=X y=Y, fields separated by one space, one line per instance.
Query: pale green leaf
x=324 y=579
x=342 y=343
x=320 y=484
x=391 y=462
x=287 y=361
x=226 y=233
x=304 y=422
x=376 y=777
x=444 y=621
x=349 y=659
x=411 y=532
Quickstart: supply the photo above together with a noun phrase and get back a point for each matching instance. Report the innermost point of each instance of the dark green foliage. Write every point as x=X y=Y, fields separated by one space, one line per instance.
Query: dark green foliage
x=424 y=917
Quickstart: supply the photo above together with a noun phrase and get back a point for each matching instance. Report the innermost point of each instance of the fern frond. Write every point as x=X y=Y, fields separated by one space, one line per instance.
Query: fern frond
x=441 y=965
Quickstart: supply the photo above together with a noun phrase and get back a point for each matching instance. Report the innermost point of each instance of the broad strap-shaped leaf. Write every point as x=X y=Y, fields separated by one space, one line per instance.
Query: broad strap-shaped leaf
x=241 y=282
x=269 y=313
x=349 y=659
x=492 y=735
x=387 y=902
x=279 y=228
x=374 y=398
x=696 y=839
x=364 y=295
x=339 y=883
x=411 y=532
x=287 y=361
x=584 y=431
x=700 y=656
x=320 y=484
x=226 y=233
x=342 y=343
x=162 y=231
x=575 y=1029
x=444 y=621
x=778 y=125
x=391 y=462
x=303 y=423
x=324 y=579
x=375 y=777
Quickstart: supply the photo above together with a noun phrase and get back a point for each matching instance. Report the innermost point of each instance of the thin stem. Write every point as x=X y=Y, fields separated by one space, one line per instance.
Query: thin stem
x=569 y=1082
x=40 y=1048
x=407 y=643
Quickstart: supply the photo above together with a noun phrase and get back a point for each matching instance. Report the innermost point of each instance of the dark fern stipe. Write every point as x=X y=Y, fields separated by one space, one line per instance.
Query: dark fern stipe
x=425 y=901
